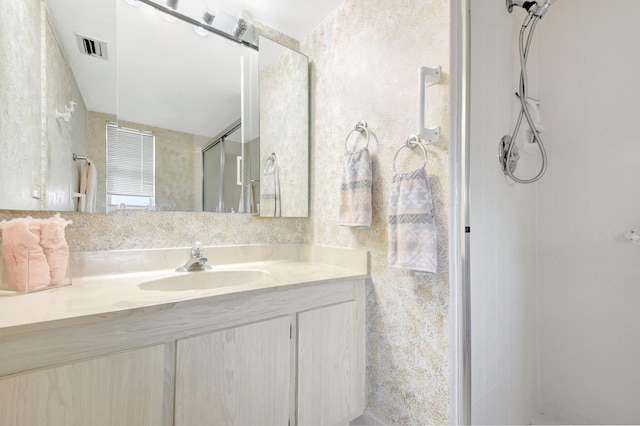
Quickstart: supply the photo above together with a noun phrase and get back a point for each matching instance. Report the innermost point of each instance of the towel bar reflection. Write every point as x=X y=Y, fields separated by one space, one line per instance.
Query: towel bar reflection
x=434 y=76
x=270 y=160
x=80 y=157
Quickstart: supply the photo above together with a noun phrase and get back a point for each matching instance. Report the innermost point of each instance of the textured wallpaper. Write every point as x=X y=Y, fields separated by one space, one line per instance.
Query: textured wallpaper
x=21 y=69
x=365 y=59
x=97 y=152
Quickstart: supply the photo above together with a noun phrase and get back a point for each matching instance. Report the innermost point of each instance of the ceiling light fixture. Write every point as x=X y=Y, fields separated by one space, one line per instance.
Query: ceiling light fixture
x=239 y=28
x=234 y=28
x=173 y=5
x=207 y=18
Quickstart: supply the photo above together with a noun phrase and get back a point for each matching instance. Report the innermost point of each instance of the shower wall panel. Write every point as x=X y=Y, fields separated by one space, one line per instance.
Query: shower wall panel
x=503 y=231
x=549 y=260
x=589 y=275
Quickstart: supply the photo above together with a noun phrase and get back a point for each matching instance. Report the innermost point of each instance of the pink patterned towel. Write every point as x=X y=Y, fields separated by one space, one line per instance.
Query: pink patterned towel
x=355 y=192
x=412 y=229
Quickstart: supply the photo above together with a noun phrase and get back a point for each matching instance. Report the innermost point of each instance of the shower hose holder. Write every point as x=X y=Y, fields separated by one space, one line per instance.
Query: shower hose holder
x=503 y=155
x=634 y=236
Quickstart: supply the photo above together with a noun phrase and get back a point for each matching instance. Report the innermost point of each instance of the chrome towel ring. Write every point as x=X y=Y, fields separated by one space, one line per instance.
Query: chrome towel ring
x=271 y=158
x=361 y=127
x=270 y=161
x=411 y=143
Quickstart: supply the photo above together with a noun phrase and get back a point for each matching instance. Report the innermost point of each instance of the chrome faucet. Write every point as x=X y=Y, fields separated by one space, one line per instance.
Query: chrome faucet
x=196 y=262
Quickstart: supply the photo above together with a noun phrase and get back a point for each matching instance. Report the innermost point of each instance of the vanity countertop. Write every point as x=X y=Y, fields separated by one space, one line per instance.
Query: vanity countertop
x=103 y=296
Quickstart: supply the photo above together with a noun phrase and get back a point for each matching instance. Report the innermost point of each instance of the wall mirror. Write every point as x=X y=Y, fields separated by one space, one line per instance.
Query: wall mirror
x=284 y=130
x=123 y=63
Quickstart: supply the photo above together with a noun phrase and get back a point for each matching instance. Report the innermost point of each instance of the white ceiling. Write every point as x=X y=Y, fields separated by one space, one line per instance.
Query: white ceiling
x=162 y=73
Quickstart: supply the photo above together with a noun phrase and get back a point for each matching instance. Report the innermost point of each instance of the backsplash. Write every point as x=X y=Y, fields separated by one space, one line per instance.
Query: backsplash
x=140 y=229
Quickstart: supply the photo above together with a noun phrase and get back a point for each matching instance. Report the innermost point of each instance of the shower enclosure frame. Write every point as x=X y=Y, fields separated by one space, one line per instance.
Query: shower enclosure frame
x=459 y=231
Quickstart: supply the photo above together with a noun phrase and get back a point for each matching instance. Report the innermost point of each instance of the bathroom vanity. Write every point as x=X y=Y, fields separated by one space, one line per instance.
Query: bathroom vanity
x=130 y=344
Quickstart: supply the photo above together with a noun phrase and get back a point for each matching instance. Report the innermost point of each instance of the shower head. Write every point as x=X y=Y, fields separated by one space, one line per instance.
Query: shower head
x=540 y=11
x=526 y=5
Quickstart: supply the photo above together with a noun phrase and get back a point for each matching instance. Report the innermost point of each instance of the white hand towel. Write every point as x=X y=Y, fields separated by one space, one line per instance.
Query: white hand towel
x=412 y=229
x=82 y=202
x=355 y=191
x=88 y=187
x=92 y=187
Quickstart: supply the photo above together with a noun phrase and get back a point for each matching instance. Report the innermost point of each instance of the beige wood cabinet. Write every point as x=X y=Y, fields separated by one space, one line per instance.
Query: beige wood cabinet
x=122 y=389
x=238 y=376
x=330 y=365
x=290 y=356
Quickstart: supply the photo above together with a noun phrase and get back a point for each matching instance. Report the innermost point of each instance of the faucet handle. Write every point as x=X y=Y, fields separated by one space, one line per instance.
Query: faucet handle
x=196 y=249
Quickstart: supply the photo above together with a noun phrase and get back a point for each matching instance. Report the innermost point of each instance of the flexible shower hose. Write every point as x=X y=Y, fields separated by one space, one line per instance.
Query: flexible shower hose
x=524 y=109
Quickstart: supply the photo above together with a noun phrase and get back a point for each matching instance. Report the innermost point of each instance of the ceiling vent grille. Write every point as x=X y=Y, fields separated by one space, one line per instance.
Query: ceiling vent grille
x=92 y=47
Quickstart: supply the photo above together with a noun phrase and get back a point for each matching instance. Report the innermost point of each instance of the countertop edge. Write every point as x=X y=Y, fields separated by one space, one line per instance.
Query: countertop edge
x=111 y=314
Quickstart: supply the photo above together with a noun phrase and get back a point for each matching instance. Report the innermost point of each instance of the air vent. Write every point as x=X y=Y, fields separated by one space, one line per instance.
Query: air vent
x=92 y=47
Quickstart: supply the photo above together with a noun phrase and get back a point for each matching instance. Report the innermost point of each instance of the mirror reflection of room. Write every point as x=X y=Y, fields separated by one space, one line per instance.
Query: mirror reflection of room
x=123 y=66
x=284 y=100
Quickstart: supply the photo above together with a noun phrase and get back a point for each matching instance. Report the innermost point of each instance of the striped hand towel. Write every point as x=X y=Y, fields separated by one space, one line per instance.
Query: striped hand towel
x=355 y=192
x=412 y=229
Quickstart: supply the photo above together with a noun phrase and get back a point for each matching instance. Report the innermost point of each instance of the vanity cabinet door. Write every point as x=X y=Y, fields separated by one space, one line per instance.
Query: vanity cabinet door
x=331 y=364
x=238 y=376
x=122 y=389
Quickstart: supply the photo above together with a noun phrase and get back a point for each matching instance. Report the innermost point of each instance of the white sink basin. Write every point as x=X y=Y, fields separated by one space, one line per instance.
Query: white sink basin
x=204 y=280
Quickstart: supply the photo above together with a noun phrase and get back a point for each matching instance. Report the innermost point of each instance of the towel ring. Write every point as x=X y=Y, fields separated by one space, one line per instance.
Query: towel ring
x=412 y=142
x=270 y=161
x=361 y=127
x=271 y=158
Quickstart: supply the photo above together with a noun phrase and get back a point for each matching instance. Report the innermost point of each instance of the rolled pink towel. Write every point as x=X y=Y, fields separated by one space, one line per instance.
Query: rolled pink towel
x=20 y=236
x=56 y=249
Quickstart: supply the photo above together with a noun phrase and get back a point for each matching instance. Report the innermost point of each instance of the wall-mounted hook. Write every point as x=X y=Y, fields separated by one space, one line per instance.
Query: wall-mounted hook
x=68 y=110
x=66 y=116
x=71 y=107
x=427 y=77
